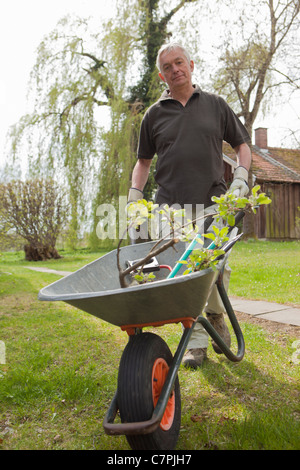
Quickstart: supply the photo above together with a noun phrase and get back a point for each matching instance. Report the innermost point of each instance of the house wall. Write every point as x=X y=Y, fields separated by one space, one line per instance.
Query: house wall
x=280 y=220
x=228 y=173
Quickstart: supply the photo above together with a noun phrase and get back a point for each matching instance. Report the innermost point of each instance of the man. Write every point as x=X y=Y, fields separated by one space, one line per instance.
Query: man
x=186 y=128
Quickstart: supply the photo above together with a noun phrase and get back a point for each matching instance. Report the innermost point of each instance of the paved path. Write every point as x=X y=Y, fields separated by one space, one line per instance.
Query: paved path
x=47 y=270
x=266 y=310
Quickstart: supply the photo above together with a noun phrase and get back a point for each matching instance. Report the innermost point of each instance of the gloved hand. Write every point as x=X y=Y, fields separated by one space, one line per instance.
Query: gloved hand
x=239 y=184
x=134 y=195
x=140 y=234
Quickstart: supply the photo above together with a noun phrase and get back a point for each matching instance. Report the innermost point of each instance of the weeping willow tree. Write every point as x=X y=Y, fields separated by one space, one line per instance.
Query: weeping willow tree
x=77 y=72
x=61 y=135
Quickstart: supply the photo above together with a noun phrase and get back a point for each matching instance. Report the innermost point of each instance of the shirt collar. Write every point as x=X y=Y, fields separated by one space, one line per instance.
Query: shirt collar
x=166 y=96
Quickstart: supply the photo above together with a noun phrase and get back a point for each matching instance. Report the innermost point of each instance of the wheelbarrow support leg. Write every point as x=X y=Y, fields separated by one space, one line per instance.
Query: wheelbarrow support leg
x=233 y=320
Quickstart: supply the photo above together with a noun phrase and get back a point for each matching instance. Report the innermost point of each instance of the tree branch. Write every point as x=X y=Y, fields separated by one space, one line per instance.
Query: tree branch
x=84 y=97
x=147 y=258
x=288 y=79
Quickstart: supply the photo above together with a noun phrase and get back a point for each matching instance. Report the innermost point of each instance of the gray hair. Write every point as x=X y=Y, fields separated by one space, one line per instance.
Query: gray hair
x=170 y=47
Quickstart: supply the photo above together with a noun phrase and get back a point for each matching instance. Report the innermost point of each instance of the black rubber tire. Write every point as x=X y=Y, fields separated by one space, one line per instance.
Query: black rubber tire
x=135 y=398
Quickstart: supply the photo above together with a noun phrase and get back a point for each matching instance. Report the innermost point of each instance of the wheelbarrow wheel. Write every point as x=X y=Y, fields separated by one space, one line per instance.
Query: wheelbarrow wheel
x=143 y=369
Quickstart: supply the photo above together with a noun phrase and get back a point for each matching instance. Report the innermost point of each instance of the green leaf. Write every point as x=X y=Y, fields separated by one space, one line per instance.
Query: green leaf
x=231 y=220
x=224 y=231
x=255 y=189
x=211 y=236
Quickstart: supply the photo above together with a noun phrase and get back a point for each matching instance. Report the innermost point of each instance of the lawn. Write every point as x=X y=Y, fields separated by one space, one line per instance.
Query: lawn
x=61 y=364
x=266 y=271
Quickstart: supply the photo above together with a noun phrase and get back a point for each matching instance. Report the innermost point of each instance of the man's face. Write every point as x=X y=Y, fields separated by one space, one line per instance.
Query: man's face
x=176 y=70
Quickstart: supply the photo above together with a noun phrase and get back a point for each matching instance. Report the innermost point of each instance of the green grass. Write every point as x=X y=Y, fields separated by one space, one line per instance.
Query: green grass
x=61 y=368
x=266 y=271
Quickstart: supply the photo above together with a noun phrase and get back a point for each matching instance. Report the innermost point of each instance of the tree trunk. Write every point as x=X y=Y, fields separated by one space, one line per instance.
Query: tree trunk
x=43 y=253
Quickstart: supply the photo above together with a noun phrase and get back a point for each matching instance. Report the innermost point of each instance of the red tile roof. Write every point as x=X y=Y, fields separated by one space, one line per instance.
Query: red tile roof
x=272 y=164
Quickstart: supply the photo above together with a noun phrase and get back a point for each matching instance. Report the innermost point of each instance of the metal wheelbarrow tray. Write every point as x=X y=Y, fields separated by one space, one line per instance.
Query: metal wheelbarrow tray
x=95 y=289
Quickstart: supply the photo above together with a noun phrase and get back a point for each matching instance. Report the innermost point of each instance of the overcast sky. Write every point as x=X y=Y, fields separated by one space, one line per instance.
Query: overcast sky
x=24 y=23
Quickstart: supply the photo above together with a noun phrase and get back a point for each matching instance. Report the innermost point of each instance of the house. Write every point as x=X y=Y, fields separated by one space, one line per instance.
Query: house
x=277 y=171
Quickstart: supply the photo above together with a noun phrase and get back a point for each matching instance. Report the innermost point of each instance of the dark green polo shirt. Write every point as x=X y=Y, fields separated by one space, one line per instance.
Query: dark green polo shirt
x=188 y=142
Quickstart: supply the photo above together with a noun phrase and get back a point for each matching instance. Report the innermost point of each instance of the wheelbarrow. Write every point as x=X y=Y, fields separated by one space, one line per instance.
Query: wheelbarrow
x=148 y=391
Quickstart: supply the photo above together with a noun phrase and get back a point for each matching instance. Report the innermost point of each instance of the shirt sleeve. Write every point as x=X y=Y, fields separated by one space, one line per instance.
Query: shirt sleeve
x=146 y=147
x=235 y=132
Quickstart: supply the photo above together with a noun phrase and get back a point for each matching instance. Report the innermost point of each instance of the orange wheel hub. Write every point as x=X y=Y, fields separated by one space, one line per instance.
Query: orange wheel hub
x=159 y=374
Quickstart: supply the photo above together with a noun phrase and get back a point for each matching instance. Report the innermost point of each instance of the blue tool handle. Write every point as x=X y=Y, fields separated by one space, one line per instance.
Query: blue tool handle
x=190 y=248
x=186 y=254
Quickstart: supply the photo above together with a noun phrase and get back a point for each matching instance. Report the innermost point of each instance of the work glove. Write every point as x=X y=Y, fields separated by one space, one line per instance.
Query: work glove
x=239 y=185
x=134 y=195
x=140 y=234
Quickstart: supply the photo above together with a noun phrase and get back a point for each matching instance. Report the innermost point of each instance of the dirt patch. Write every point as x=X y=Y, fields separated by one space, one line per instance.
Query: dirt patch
x=270 y=326
x=16 y=303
